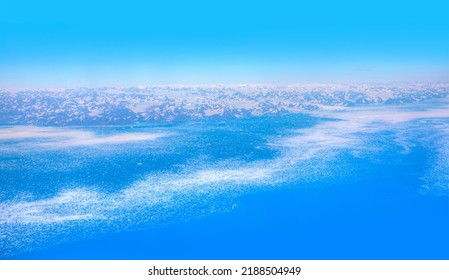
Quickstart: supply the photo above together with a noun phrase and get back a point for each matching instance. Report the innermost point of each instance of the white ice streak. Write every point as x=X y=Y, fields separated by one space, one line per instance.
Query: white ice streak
x=306 y=143
x=393 y=114
x=75 y=204
x=436 y=179
x=54 y=137
x=82 y=204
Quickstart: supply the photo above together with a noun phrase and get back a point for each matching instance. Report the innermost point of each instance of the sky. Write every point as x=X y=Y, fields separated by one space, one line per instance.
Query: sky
x=126 y=43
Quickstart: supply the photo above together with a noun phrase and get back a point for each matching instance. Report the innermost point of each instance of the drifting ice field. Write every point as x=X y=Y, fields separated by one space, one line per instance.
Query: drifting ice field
x=356 y=183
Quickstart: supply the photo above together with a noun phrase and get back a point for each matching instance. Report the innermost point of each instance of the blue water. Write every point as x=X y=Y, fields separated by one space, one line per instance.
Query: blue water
x=255 y=188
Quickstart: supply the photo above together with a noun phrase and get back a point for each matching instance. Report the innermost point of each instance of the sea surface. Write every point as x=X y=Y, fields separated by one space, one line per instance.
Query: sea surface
x=370 y=183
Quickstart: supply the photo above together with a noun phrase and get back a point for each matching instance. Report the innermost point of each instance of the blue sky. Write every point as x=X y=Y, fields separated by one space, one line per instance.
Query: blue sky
x=80 y=43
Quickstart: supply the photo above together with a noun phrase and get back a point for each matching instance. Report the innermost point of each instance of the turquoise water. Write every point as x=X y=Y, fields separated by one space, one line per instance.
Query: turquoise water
x=280 y=187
